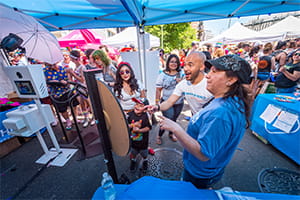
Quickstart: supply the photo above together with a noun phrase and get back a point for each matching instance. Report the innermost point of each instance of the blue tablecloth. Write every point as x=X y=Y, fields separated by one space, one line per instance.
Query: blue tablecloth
x=288 y=143
x=149 y=187
x=3 y=131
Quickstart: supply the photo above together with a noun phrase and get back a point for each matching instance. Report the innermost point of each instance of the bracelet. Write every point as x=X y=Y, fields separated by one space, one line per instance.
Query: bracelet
x=157 y=100
x=158 y=107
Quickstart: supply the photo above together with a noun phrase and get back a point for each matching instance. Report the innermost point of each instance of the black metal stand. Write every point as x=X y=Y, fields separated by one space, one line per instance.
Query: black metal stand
x=100 y=119
x=71 y=100
x=89 y=147
x=66 y=138
x=85 y=141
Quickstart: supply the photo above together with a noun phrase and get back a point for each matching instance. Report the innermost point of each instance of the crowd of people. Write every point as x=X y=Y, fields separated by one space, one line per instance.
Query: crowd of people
x=218 y=82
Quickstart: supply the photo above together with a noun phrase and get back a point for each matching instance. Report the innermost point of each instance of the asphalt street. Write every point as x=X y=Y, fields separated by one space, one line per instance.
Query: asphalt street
x=22 y=178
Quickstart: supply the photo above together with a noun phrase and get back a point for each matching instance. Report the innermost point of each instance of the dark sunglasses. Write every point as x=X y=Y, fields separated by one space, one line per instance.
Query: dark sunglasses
x=124 y=72
x=296 y=54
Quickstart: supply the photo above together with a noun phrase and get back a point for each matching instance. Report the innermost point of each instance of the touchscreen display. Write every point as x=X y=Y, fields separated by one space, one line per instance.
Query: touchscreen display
x=25 y=87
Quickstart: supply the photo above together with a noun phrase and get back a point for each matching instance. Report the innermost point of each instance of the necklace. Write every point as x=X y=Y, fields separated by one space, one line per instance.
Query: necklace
x=127 y=88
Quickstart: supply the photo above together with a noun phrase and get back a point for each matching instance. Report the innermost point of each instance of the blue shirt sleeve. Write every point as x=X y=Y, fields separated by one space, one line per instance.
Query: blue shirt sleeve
x=213 y=135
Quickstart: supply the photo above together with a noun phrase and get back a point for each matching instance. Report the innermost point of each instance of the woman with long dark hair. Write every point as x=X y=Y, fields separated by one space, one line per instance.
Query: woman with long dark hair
x=127 y=87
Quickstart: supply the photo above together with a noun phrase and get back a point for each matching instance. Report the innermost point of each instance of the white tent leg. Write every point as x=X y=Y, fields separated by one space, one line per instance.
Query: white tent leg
x=144 y=58
x=142 y=53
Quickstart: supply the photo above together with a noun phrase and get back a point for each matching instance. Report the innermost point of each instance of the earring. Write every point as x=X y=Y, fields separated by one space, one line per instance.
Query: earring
x=228 y=84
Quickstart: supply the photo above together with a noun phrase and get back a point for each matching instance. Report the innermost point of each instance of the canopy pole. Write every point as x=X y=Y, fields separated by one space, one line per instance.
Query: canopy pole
x=141 y=45
x=144 y=56
x=162 y=36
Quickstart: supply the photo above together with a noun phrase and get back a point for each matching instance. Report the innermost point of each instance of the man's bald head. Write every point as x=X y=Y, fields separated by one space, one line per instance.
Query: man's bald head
x=199 y=55
x=194 y=66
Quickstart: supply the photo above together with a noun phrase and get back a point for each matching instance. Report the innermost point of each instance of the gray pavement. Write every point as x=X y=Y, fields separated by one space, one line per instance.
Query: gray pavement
x=79 y=179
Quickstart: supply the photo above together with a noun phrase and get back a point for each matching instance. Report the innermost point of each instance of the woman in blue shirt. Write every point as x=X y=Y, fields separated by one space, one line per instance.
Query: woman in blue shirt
x=215 y=131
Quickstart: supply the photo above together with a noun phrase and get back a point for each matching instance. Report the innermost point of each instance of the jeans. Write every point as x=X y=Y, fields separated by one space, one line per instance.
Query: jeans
x=286 y=90
x=172 y=113
x=201 y=183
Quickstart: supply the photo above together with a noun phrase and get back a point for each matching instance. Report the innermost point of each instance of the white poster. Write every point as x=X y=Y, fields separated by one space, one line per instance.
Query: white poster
x=270 y=113
x=285 y=121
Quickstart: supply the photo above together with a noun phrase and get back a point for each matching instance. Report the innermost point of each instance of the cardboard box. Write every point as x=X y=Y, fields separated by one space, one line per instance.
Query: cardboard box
x=13 y=96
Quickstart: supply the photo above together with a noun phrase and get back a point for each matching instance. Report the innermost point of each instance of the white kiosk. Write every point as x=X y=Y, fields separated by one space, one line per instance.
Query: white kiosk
x=29 y=82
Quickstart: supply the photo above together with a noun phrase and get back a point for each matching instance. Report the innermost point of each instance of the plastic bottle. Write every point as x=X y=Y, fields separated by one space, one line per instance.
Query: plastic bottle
x=108 y=187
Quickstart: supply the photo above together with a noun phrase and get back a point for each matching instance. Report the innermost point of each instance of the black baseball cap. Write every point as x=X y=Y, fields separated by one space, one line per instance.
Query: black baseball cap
x=232 y=63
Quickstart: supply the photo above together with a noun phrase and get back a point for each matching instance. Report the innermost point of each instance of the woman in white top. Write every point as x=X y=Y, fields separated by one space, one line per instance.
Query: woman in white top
x=127 y=86
x=165 y=85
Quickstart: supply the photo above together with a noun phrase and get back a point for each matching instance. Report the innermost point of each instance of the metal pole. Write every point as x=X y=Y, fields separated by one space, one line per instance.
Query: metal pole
x=4 y=57
x=229 y=22
x=141 y=61
x=144 y=57
x=60 y=122
x=162 y=36
x=42 y=142
x=76 y=124
x=94 y=95
x=50 y=131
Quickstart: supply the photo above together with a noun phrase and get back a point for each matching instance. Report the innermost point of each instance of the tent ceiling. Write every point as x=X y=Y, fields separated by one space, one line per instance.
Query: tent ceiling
x=82 y=14
x=235 y=33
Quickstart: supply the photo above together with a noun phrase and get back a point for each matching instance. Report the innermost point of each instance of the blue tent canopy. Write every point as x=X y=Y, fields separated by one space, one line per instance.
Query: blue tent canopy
x=82 y=14
x=85 y=14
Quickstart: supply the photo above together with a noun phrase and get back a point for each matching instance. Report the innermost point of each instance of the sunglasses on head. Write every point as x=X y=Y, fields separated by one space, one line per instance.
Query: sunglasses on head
x=124 y=72
x=296 y=54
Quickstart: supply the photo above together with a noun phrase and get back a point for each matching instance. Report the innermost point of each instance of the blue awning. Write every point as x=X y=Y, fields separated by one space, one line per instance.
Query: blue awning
x=83 y=14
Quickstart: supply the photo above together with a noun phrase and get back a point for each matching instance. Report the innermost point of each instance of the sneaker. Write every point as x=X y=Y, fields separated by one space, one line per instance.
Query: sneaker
x=145 y=165
x=69 y=124
x=93 y=122
x=132 y=165
x=54 y=123
x=85 y=123
x=151 y=151
x=79 y=121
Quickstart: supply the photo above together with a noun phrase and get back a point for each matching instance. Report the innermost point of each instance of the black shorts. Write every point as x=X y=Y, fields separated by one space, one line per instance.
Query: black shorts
x=46 y=100
x=63 y=106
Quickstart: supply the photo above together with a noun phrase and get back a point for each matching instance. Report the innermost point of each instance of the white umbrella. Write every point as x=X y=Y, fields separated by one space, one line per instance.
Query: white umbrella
x=37 y=40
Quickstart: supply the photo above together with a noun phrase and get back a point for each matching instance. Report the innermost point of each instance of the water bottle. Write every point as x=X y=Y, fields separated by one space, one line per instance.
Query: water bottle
x=108 y=187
